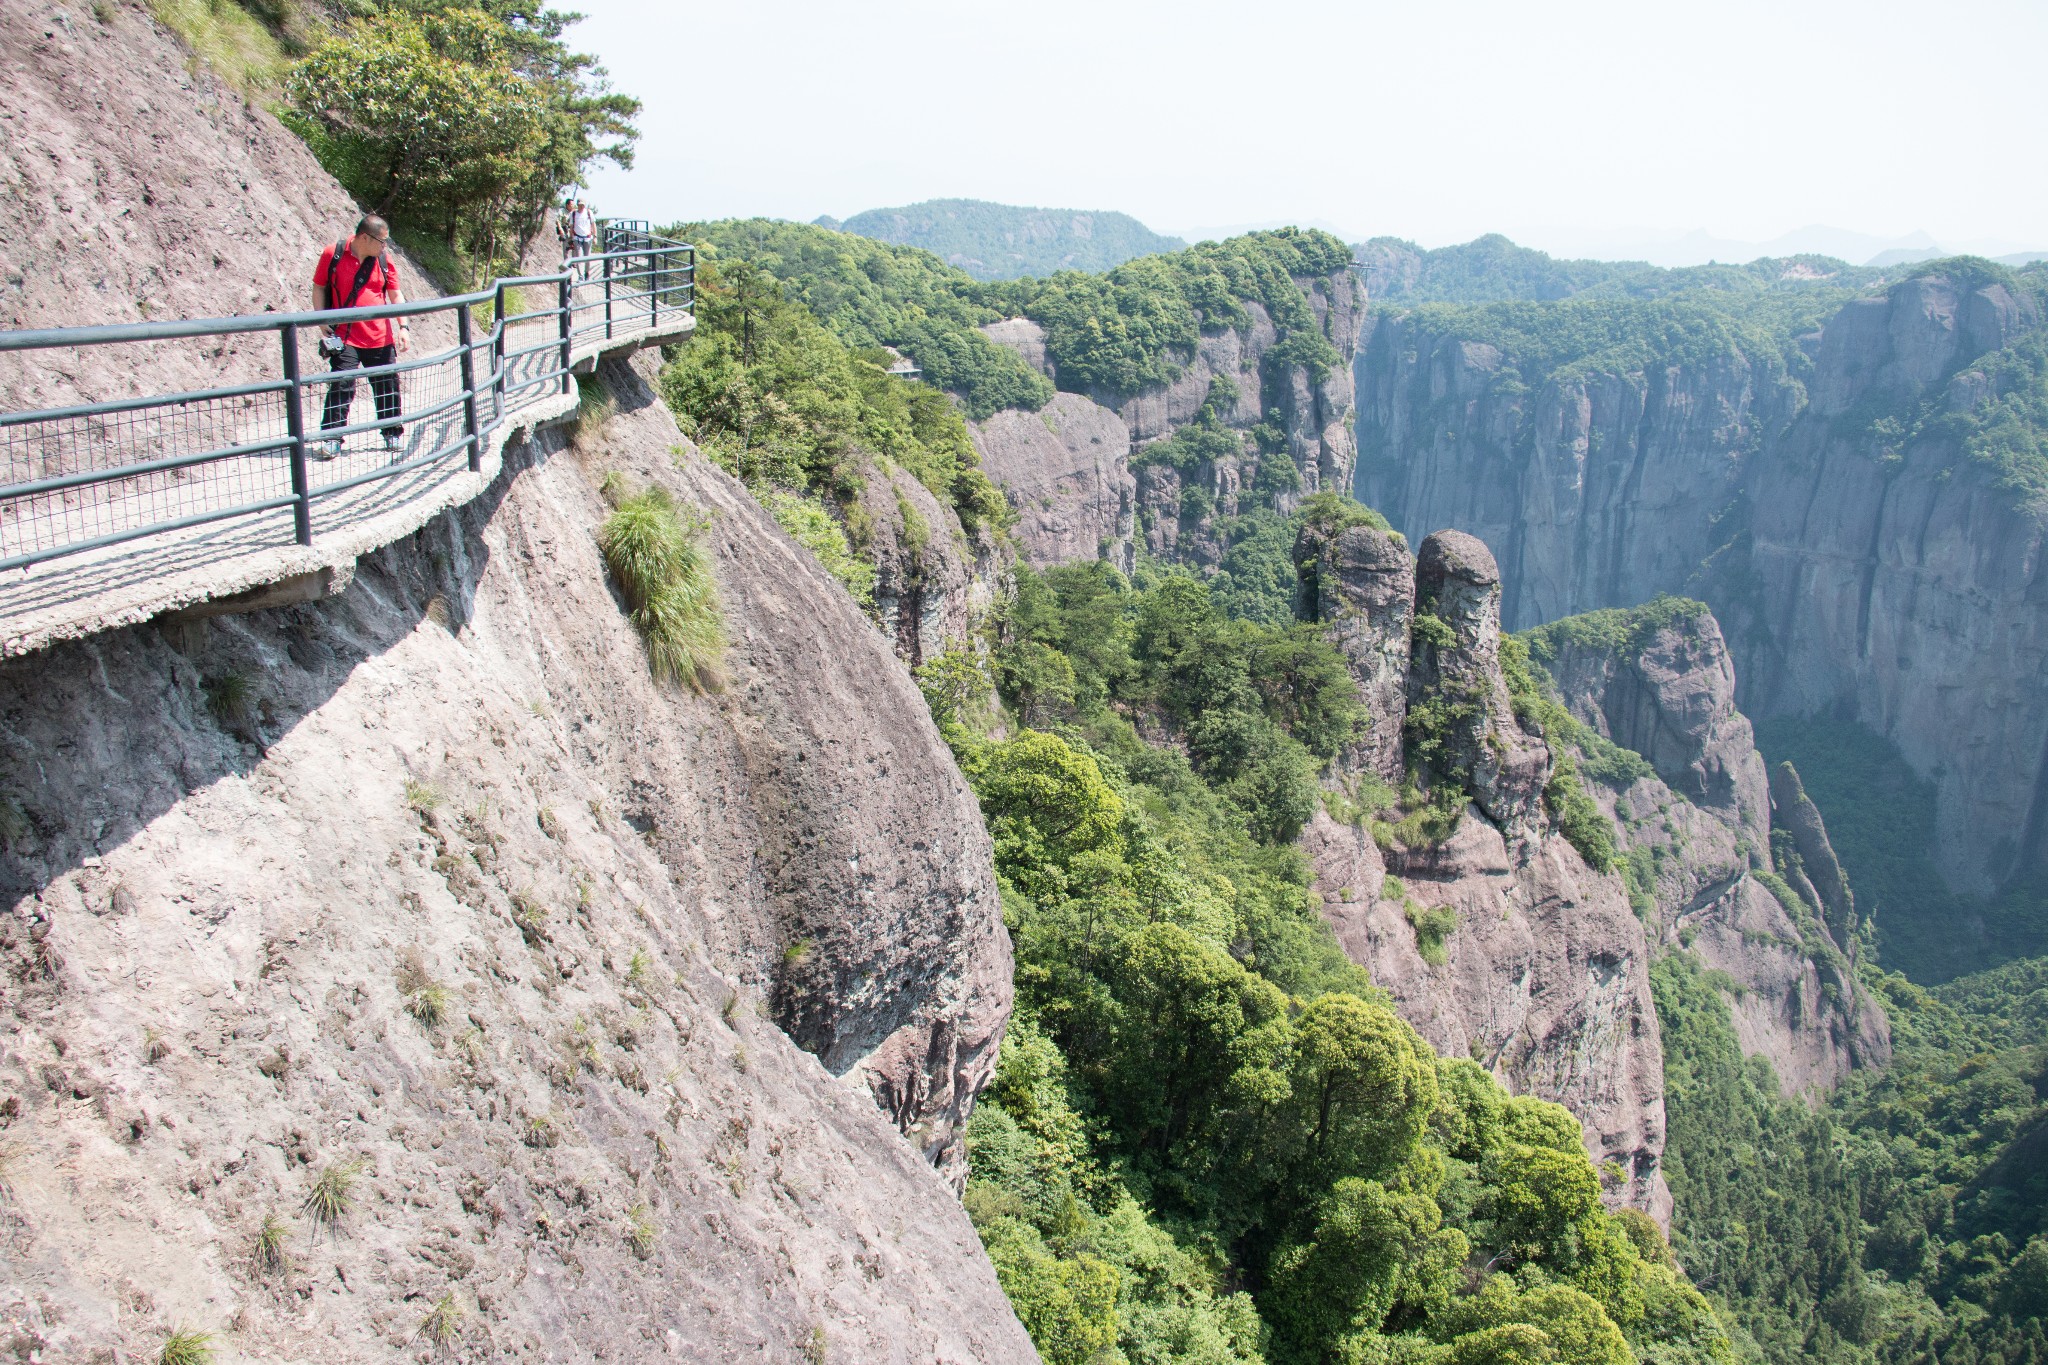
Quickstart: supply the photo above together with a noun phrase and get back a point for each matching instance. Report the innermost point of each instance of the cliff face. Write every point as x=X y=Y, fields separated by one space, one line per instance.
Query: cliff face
x=1066 y=469
x=1498 y=941
x=1074 y=487
x=1698 y=831
x=1863 y=560
x=643 y=1018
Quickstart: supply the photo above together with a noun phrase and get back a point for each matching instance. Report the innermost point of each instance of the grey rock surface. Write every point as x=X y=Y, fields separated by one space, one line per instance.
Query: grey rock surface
x=1362 y=585
x=934 y=583
x=1507 y=767
x=1545 y=974
x=719 y=976
x=1704 y=820
x=598 y=1139
x=1888 y=578
x=1081 y=502
x=1546 y=978
x=1796 y=813
x=1671 y=698
x=1066 y=471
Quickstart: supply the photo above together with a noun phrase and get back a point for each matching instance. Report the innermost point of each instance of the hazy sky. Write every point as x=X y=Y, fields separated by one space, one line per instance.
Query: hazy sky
x=1579 y=126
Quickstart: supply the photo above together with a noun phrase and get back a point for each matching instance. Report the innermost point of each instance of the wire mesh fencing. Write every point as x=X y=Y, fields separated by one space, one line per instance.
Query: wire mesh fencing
x=313 y=443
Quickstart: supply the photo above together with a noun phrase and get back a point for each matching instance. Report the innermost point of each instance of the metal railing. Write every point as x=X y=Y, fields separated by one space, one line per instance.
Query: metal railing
x=95 y=475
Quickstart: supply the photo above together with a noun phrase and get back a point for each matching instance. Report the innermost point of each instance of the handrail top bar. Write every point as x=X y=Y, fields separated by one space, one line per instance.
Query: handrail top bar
x=111 y=333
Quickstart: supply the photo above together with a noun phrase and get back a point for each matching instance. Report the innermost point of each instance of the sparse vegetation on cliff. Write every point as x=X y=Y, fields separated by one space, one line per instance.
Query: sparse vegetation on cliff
x=666 y=580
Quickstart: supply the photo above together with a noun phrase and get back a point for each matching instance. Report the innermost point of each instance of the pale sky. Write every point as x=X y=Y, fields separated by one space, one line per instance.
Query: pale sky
x=1581 y=126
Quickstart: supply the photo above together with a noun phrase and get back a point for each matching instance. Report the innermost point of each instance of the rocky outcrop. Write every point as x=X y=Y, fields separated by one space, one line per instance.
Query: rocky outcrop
x=254 y=846
x=1666 y=690
x=1544 y=978
x=1496 y=941
x=1359 y=583
x=1066 y=471
x=1864 y=562
x=1078 y=502
x=1458 y=707
x=1827 y=887
x=934 y=582
x=1698 y=831
x=648 y=1021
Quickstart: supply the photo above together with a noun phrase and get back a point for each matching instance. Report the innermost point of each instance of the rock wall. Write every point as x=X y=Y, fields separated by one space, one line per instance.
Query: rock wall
x=250 y=843
x=1543 y=975
x=1871 y=570
x=934 y=582
x=1066 y=469
x=1073 y=485
x=649 y=1021
x=1701 y=828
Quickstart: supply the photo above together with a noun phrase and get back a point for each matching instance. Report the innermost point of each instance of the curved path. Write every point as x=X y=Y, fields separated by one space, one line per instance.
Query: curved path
x=223 y=462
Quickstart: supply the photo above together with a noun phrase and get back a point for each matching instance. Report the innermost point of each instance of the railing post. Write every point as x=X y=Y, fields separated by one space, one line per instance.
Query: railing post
x=295 y=427
x=568 y=340
x=607 y=296
x=655 y=259
x=498 y=351
x=465 y=338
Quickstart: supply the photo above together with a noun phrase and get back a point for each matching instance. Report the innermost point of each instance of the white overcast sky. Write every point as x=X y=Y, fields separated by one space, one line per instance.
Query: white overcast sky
x=1582 y=127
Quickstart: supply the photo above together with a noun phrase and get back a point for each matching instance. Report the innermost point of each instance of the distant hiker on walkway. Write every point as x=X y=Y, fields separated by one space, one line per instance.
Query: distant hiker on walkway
x=582 y=231
x=359 y=273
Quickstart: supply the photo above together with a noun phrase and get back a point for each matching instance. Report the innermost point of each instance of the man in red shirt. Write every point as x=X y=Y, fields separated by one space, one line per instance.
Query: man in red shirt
x=361 y=274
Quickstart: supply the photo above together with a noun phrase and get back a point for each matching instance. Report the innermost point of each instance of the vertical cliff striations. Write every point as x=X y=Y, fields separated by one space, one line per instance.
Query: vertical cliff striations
x=1699 y=826
x=1494 y=937
x=1862 y=509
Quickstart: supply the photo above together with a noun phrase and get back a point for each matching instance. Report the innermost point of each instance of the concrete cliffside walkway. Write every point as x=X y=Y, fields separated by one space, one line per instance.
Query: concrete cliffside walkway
x=221 y=501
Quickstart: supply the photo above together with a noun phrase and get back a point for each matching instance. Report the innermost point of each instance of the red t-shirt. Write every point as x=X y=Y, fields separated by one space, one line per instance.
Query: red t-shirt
x=377 y=331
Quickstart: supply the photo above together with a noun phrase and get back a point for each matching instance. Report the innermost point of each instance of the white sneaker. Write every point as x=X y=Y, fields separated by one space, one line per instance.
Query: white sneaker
x=326 y=450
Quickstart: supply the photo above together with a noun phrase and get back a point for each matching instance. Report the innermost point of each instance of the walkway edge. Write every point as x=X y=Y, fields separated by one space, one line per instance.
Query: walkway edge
x=145 y=601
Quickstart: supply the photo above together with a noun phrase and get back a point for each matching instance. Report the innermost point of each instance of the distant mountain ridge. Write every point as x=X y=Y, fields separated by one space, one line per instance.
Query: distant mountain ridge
x=1005 y=241
x=1493 y=269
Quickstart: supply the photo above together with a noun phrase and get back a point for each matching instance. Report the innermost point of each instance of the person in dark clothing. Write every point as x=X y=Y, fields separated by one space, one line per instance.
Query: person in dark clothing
x=360 y=273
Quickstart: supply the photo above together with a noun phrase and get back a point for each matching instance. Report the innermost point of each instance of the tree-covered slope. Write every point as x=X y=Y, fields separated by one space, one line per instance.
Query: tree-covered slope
x=1003 y=241
x=1904 y=1222
x=1492 y=269
x=1211 y=1138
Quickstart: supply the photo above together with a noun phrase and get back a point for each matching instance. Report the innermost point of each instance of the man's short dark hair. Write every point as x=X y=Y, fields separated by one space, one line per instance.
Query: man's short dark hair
x=373 y=225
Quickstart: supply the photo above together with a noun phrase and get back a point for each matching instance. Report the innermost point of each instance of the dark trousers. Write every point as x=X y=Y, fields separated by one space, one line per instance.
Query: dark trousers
x=342 y=392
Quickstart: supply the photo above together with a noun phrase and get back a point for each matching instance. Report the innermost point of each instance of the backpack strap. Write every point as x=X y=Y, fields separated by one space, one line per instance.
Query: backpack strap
x=362 y=277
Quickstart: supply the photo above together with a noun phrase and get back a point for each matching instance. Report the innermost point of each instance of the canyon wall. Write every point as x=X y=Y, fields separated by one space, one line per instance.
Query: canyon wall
x=1869 y=549
x=1082 y=486
x=625 y=1022
x=1495 y=939
x=1696 y=830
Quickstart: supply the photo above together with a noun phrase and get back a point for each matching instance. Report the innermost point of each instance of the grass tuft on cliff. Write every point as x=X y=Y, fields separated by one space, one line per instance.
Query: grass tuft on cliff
x=666 y=580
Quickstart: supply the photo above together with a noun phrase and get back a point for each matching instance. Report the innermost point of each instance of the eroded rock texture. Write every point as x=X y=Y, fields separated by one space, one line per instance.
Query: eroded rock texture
x=1704 y=817
x=1066 y=469
x=1863 y=561
x=1073 y=486
x=1542 y=971
x=649 y=1020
